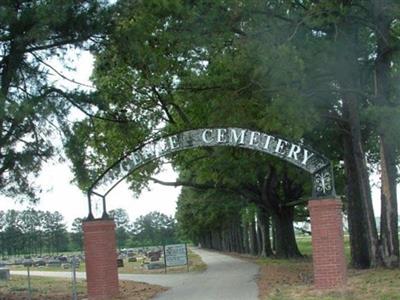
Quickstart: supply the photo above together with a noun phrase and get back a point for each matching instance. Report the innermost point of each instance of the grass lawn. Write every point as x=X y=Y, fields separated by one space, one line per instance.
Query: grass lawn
x=42 y=288
x=304 y=244
x=61 y=289
x=292 y=280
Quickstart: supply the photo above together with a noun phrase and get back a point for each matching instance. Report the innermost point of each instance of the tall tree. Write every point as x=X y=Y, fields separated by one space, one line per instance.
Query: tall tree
x=385 y=15
x=76 y=234
x=154 y=228
x=55 y=232
x=31 y=33
x=122 y=224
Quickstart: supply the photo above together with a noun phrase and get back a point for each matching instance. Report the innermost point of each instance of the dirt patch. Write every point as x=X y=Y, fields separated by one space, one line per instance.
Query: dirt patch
x=138 y=290
x=276 y=274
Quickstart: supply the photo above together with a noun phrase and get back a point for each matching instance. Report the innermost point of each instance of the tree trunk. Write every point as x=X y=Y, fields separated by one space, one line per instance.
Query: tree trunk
x=240 y=238
x=348 y=76
x=358 y=234
x=259 y=238
x=263 y=225
x=350 y=102
x=252 y=239
x=246 y=243
x=389 y=239
x=286 y=246
x=273 y=233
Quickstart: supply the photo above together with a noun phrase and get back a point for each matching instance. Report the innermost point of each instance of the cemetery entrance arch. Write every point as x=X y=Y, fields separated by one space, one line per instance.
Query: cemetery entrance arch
x=325 y=208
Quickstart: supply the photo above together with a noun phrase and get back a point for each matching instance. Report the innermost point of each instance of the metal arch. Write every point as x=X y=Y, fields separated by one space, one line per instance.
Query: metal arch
x=296 y=153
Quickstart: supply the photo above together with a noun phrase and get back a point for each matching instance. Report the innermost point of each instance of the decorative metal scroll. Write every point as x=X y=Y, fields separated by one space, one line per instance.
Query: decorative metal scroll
x=296 y=153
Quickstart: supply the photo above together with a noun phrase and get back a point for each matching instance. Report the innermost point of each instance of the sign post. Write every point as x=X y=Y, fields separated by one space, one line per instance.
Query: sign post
x=74 y=291
x=165 y=261
x=187 y=257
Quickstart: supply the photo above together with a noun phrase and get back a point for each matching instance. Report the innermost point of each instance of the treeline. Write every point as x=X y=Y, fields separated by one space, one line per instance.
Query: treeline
x=32 y=232
x=35 y=232
x=228 y=222
x=151 y=229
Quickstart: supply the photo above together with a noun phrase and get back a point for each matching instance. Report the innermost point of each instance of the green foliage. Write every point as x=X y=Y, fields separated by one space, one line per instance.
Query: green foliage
x=201 y=212
x=122 y=225
x=32 y=232
x=31 y=107
x=154 y=228
x=283 y=67
x=76 y=235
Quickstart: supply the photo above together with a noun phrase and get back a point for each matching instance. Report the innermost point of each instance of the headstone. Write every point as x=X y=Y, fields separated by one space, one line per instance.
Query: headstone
x=155 y=266
x=120 y=263
x=39 y=263
x=63 y=259
x=54 y=263
x=28 y=262
x=154 y=258
x=132 y=259
x=4 y=274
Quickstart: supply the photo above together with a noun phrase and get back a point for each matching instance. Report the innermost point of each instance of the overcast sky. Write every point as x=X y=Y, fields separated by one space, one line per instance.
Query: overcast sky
x=59 y=194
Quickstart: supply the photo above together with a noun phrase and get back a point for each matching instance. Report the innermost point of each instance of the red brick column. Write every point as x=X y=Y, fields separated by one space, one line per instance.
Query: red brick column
x=329 y=262
x=101 y=259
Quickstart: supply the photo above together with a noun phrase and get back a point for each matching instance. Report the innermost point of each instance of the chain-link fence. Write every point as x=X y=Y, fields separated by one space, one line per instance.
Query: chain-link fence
x=18 y=282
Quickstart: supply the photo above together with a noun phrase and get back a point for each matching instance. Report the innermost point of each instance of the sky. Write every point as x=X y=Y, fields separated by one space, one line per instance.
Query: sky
x=60 y=194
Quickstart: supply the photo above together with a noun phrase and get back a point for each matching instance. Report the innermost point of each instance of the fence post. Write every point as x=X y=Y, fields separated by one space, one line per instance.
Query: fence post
x=29 y=283
x=73 y=265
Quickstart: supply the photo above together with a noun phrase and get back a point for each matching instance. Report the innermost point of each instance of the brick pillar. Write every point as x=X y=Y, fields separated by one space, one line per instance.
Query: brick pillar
x=329 y=261
x=101 y=259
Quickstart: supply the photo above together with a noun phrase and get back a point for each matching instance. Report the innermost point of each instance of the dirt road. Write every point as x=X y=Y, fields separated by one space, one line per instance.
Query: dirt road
x=226 y=278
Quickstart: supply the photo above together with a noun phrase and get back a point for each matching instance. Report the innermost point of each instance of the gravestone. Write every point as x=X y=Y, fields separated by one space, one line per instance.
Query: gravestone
x=120 y=263
x=154 y=258
x=39 y=263
x=4 y=274
x=54 y=263
x=132 y=259
x=65 y=266
x=28 y=262
x=155 y=266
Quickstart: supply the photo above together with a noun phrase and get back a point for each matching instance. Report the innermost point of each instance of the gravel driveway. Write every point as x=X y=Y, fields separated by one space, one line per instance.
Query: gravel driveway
x=226 y=278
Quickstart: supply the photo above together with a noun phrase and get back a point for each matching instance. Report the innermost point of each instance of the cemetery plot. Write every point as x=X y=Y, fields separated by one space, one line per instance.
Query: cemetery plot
x=140 y=260
x=46 y=262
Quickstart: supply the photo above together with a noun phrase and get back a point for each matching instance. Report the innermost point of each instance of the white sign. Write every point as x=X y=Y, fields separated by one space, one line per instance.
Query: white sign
x=175 y=255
